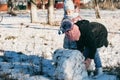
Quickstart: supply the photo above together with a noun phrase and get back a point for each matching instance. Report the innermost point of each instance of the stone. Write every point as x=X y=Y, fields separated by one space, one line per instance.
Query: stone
x=69 y=65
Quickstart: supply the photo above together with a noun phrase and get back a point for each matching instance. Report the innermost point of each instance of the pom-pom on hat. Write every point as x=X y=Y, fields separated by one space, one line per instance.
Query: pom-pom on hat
x=66 y=25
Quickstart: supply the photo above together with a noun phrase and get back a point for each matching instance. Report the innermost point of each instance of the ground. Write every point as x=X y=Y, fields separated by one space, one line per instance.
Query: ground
x=17 y=34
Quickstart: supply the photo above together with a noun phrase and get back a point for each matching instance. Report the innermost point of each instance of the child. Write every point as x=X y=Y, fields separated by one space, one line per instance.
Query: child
x=73 y=15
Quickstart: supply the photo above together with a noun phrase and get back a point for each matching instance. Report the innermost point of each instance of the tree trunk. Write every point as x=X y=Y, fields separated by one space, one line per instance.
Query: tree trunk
x=43 y=4
x=108 y=4
x=34 y=16
x=112 y=7
x=51 y=12
x=96 y=9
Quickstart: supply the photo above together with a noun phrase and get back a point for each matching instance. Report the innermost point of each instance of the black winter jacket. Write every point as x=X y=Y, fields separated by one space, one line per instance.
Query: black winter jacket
x=93 y=36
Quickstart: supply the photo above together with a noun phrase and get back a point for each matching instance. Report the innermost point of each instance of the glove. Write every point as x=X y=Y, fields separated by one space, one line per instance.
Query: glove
x=87 y=62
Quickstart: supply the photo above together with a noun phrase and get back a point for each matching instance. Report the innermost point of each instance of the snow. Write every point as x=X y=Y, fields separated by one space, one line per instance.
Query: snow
x=23 y=45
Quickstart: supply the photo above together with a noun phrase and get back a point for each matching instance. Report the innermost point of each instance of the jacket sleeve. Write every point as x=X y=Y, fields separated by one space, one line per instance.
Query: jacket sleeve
x=90 y=42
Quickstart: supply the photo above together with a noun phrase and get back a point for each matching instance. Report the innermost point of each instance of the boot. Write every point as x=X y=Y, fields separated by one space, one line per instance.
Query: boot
x=99 y=72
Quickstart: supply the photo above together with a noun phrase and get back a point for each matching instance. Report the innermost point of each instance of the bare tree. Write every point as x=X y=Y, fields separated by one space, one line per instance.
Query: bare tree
x=33 y=12
x=10 y=6
x=51 y=12
x=43 y=3
x=96 y=9
x=108 y=4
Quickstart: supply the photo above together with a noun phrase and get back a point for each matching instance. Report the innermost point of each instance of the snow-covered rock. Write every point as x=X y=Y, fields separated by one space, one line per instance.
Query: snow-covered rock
x=69 y=65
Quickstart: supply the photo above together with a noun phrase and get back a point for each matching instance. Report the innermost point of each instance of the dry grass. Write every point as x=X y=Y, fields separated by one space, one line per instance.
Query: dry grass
x=5 y=77
x=113 y=70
